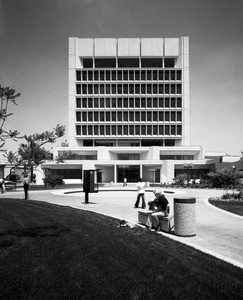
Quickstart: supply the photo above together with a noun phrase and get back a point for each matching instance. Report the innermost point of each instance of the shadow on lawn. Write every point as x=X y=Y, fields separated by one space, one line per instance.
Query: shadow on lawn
x=8 y=238
x=95 y=259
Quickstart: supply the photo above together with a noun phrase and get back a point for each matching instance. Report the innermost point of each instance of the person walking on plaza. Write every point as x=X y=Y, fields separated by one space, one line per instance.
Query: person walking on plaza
x=159 y=207
x=26 y=187
x=125 y=182
x=141 y=191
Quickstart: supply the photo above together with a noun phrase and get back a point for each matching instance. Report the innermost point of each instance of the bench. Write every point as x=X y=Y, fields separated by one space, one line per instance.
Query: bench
x=166 y=223
x=10 y=186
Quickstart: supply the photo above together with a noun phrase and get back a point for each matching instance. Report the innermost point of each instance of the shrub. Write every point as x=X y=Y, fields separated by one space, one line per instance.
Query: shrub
x=235 y=196
x=225 y=178
x=53 y=179
x=180 y=179
x=227 y=196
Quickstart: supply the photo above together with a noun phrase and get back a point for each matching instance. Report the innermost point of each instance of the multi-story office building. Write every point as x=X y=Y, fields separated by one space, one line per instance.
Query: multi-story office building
x=128 y=109
x=131 y=92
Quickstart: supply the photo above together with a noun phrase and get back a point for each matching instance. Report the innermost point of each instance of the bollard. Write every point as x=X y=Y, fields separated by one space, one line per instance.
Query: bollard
x=185 y=216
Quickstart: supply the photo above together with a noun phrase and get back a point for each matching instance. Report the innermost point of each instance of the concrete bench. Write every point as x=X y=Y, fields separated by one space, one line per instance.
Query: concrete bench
x=10 y=186
x=166 y=223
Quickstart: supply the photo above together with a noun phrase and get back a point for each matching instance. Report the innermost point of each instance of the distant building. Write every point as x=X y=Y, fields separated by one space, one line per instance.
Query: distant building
x=128 y=110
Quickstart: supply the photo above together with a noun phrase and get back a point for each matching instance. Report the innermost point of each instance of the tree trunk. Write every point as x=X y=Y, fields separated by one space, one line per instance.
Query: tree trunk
x=31 y=174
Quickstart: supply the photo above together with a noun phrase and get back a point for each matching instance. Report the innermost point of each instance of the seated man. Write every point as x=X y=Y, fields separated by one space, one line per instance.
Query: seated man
x=159 y=207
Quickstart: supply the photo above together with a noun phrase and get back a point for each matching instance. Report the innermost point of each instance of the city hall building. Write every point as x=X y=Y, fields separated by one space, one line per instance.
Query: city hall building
x=128 y=110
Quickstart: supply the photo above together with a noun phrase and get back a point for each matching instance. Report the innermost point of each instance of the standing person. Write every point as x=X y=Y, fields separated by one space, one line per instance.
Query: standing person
x=26 y=187
x=141 y=191
x=125 y=182
x=2 y=185
x=160 y=208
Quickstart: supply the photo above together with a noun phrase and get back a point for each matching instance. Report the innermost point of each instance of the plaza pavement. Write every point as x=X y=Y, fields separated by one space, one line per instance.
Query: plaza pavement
x=218 y=233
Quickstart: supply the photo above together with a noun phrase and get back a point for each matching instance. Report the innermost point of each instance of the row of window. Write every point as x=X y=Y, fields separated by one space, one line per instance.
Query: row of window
x=125 y=75
x=176 y=157
x=69 y=173
x=132 y=88
x=81 y=157
x=129 y=102
x=128 y=62
x=131 y=156
x=131 y=130
x=131 y=116
x=131 y=142
x=128 y=156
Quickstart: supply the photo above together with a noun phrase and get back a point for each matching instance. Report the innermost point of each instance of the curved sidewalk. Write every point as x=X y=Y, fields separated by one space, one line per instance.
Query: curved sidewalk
x=218 y=233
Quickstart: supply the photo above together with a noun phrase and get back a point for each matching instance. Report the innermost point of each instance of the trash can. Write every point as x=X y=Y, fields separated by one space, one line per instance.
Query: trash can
x=185 y=216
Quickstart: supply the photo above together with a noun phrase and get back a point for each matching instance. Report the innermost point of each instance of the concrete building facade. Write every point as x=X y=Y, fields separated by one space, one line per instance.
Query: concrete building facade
x=128 y=110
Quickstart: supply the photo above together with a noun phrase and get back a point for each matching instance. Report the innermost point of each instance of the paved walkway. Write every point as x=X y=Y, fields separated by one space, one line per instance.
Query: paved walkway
x=218 y=233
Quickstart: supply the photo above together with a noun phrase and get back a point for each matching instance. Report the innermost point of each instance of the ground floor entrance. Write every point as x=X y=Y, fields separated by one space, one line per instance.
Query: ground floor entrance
x=131 y=173
x=115 y=172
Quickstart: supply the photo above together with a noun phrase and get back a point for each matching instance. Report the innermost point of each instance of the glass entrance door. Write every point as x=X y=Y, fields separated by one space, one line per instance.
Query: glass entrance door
x=132 y=173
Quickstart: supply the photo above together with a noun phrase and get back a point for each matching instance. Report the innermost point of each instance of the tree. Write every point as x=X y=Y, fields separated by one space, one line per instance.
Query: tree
x=31 y=153
x=7 y=96
x=64 y=155
x=225 y=178
x=11 y=157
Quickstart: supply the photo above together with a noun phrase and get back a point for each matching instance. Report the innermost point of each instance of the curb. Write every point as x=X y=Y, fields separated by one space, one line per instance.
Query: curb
x=222 y=210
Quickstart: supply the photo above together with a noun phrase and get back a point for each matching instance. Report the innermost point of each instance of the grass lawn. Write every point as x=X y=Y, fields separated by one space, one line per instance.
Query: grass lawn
x=235 y=207
x=55 y=252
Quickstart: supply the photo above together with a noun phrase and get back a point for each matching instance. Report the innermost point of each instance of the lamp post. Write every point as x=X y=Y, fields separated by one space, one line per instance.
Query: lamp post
x=187 y=167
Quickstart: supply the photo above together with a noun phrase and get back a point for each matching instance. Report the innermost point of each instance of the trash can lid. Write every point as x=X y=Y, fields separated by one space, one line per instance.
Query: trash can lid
x=186 y=200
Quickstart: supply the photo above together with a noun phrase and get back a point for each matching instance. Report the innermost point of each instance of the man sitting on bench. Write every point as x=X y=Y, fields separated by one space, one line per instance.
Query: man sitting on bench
x=159 y=207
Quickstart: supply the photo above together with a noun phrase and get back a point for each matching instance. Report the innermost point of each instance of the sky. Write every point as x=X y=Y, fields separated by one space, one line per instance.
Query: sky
x=34 y=57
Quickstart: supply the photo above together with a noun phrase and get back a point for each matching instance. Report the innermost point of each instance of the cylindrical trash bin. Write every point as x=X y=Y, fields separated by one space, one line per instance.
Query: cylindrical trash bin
x=185 y=216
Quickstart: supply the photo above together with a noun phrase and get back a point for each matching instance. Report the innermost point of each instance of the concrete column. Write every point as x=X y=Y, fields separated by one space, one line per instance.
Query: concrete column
x=72 y=91
x=168 y=170
x=115 y=174
x=141 y=171
x=185 y=90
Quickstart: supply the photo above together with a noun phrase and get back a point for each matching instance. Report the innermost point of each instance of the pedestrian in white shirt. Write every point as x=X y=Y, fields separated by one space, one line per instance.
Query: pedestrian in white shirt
x=141 y=191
